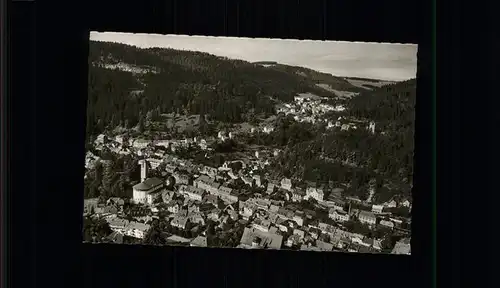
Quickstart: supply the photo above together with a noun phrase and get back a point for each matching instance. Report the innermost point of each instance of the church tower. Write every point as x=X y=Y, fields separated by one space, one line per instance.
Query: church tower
x=144 y=169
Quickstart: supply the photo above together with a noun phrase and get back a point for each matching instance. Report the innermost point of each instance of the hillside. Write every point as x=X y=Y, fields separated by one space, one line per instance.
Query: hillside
x=190 y=82
x=126 y=83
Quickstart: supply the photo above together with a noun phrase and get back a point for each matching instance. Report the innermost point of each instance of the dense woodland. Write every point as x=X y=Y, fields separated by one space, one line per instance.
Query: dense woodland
x=236 y=91
x=315 y=154
x=188 y=82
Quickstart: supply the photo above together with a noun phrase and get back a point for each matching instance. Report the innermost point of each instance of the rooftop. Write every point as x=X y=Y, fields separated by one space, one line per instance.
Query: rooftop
x=192 y=189
x=199 y=241
x=366 y=214
x=267 y=240
x=324 y=246
x=148 y=184
x=138 y=226
x=180 y=221
x=175 y=238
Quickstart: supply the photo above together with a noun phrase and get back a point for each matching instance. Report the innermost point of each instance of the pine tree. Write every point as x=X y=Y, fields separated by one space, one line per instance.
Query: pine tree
x=140 y=125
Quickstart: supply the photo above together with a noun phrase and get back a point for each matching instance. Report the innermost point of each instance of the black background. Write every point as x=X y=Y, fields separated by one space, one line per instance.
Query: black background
x=48 y=45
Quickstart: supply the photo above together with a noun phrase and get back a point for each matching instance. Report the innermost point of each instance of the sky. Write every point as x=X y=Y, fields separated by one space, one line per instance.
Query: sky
x=384 y=61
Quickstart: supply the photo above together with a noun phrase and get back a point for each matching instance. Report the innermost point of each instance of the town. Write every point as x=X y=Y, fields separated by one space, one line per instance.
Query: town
x=192 y=190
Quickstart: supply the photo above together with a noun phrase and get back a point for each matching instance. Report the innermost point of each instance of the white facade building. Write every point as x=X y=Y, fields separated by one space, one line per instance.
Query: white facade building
x=143 y=189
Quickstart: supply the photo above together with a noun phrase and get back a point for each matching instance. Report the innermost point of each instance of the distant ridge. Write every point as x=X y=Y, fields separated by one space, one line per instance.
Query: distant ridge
x=266 y=63
x=369 y=79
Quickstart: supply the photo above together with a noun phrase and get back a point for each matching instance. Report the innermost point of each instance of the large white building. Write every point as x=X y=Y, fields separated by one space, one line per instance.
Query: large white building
x=314 y=192
x=337 y=215
x=192 y=192
x=143 y=189
x=286 y=184
x=366 y=217
x=136 y=230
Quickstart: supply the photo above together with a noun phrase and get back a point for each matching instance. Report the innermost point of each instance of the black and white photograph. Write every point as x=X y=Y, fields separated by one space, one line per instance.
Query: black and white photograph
x=249 y=143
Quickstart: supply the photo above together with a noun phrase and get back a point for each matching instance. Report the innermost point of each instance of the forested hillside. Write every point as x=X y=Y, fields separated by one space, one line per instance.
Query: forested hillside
x=167 y=80
x=191 y=82
x=387 y=155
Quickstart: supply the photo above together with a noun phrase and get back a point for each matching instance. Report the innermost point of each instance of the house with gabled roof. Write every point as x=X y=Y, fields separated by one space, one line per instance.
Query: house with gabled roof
x=199 y=241
x=366 y=217
x=257 y=239
x=179 y=222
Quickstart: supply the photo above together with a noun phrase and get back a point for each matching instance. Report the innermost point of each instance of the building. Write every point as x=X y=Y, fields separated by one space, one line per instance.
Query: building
x=154 y=162
x=387 y=224
x=89 y=205
x=371 y=127
x=200 y=241
x=336 y=192
x=391 y=204
x=262 y=224
x=258 y=180
x=315 y=193
x=286 y=184
x=210 y=171
x=406 y=203
x=148 y=186
x=402 y=247
x=270 y=188
x=212 y=199
x=144 y=170
x=136 y=230
x=152 y=197
x=298 y=194
x=106 y=210
x=214 y=214
x=173 y=208
x=170 y=168
x=206 y=183
x=246 y=209
x=294 y=239
x=338 y=215
x=226 y=194
x=141 y=143
x=255 y=238
x=299 y=232
x=167 y=196
x=323 y=246
x=339 y=205
x=247 y=180
x=377 y=209
x=101 y=139
x=115 y=201
x=181 y=178
x=196 y=218
x=366 y=217
x=192 y=192
x=179 y=222
x=117 y=224
x=268 y=129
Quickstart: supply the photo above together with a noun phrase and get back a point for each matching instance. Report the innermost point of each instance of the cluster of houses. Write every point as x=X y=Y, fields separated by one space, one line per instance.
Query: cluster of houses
x=193 y=194
x=123 y=144
x=310 y=108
